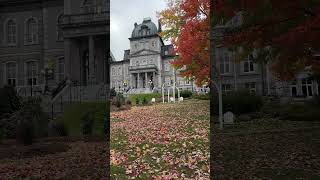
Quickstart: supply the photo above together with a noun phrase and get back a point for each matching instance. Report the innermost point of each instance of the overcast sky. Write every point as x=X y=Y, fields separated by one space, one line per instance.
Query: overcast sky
x=124 y=13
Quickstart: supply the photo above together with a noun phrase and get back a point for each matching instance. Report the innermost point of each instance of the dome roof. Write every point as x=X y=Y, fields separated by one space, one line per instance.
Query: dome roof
x=146 y=28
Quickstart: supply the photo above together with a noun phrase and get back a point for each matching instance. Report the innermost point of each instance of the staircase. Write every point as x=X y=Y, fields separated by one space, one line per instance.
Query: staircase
x=139 y=91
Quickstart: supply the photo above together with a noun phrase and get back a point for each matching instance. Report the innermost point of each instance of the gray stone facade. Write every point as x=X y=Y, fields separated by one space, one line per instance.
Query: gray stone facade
x=48 y=41
x=147 y=63
x=257 y=78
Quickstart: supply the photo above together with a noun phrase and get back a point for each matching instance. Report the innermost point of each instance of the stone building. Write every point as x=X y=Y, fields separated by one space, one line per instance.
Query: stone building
x=146 y=65
x=257 y=78
x=48 y=41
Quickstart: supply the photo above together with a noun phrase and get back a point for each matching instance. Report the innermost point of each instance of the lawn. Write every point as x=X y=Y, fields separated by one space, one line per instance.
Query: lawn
x=267 y=149
x=161 y=141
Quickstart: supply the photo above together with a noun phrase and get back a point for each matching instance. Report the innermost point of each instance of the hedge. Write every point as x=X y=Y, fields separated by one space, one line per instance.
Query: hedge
x=240 y=102
x=140 y=98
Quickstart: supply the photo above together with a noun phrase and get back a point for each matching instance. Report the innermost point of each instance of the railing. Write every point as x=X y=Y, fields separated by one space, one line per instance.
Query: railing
x=88 y=18
x=148 y=66
x=28 y=91
x=58 y=89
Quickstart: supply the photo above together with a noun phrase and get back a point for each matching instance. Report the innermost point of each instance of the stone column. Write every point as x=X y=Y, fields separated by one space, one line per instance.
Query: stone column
x=146 y=80
x=138 y=81
x=91 y=60
x=130 y=81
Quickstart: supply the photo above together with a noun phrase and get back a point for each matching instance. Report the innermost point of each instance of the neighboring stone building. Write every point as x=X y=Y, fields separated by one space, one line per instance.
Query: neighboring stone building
x=257 y=78
x=146 y=65
x=48 y=41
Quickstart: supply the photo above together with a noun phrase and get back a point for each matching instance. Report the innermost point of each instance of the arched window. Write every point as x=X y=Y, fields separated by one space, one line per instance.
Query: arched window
x=32 y=73
x=31 y=31
x=11 y=73
x=11 y=32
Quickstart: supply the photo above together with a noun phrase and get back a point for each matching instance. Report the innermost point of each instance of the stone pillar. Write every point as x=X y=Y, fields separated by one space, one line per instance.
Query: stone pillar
x=130 y=81
x=153 y=78
x=138 y=81
x=146 y=80
x=91 y=61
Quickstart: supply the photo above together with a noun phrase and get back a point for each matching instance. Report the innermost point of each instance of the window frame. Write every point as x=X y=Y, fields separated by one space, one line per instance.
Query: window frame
x=250 y=64
x=31 y=31
x=252 y=90
x=6 y=79
x=6 y=32
x=34 y=78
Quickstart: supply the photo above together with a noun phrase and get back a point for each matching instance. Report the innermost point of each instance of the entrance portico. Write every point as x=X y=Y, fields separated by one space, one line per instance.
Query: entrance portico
x=142 y=79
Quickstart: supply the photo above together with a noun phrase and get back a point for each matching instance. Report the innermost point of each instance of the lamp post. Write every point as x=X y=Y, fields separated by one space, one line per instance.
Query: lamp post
x=219 y=88
x=215 y=32
x=124 y=86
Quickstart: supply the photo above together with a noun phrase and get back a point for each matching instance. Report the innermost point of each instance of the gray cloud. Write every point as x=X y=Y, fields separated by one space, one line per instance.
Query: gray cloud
x=124 y=13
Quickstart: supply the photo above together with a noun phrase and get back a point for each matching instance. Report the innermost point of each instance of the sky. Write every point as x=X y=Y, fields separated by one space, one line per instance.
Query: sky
x=124 y=13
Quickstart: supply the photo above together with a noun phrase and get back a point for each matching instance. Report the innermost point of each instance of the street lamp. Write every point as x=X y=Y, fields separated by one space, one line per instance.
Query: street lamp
x=150 y=84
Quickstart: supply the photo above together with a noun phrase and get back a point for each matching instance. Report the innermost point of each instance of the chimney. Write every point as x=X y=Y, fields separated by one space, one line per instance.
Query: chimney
x=135 y=24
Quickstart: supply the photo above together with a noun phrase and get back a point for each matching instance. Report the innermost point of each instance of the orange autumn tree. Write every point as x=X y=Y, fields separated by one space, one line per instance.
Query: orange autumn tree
x=286 y=30
x=186 y=25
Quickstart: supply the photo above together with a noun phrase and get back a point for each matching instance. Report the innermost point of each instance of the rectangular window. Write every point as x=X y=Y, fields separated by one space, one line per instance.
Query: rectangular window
x=248 y=64
x=307 y=87
x=226 y=88
x=11 y=73
x=251 y=87
x=32 y=73
x=225 y=64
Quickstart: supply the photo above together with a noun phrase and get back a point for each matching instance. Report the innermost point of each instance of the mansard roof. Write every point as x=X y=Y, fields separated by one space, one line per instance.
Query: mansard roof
x=145 y=29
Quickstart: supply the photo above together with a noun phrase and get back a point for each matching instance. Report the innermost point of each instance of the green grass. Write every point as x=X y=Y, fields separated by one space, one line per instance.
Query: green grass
x=72 y=117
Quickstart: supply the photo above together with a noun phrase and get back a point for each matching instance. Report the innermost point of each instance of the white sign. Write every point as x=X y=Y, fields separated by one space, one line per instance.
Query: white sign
x=153 y=100
x=228 y=118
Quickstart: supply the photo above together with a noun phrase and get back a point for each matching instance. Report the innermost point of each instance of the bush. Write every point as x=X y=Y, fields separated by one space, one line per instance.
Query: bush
x=25 y=132
x=32 y=122
x=2 y=134
x=145 y=101
x=8 y=124
x=136 y=98
x=185 y=93
x=300 y=112
x=118 y=103
x=57 y=129
x=201 y=96
x=87 y=126
x=10 y=101
x=240 y=102
x=113 y=92
x=128 y=102
x=73 y=116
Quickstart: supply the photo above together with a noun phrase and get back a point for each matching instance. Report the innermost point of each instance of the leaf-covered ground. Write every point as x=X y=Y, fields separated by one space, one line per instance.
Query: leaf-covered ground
x=58 y=158
x=163 y=141
x=267 y=149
